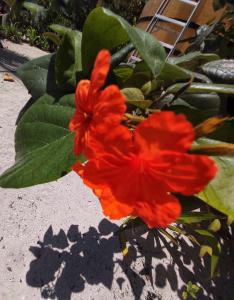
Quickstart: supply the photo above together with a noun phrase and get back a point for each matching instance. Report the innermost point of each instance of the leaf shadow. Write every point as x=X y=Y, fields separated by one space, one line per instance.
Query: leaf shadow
x=66 y=262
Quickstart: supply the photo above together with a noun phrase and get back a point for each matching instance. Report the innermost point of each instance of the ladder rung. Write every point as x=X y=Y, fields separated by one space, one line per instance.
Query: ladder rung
x=165 y=28
x=170 y=20
x=189 y=2
x=168 y=46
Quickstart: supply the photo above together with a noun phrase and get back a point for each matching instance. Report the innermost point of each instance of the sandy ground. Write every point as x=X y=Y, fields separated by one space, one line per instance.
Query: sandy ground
x=55 y=242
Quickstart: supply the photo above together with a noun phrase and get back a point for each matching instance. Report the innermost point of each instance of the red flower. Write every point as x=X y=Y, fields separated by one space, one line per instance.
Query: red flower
x=137 y=174
x=97 y=111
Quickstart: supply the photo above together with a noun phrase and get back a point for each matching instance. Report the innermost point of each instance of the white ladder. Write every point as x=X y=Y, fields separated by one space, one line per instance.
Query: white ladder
x=158 y=16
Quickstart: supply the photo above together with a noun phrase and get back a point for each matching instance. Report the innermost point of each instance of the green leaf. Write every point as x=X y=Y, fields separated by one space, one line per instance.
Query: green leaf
x=68 y=61
x=195 y=217
x=98 y=34
x=202 y=101
x=219 y=192
x=195 y=116
x=173 y=73
x=142 y=104
x=60 y=29
x=122 y=73
x=38 y=76
x=203 y=88
x=211 y=241
x=33 y=7
x=120 y=55
x=133 y=94
x=68 y=100
x=205 y=250
x=151 y=86
x=44 y=145
x=141 y=75
x=224 y=133
x=184 y=295
x=215 y=225
x=52 y=37
x=193 y=60
x=135 y=97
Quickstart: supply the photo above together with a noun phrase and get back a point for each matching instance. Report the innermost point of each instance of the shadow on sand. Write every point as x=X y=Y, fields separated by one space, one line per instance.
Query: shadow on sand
x=64 y=263
x=10 y=60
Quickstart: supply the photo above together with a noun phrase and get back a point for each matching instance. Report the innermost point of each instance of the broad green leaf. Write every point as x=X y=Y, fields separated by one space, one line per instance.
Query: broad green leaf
x=219 y=192
x=106 y=30
x=44 y=145
x=68 y=100
x=68 y=61
x=141 y=75
x=202 y=101
x=173 y=73
x=193 y=60
x=38 y=76
x=196 y=87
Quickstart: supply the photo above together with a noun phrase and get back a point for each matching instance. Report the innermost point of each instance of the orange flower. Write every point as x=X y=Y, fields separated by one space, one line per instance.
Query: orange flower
x=138 y=174
x=97 y=111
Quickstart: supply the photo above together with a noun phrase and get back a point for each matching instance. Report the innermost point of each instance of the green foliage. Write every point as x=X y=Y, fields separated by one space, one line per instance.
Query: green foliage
x=43 y=144
x=96 y=36
x=67 y=66
x=38 y=76
x=10 y=32
x=219 y=193
x=191 y=290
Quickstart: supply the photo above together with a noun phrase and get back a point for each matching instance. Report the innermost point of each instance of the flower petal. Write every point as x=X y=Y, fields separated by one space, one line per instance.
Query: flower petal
x=160 y=212
x=109 y=108
x=78 y=168
x=164 y=131
x=105 y=171
x=100 y=70
x=185 y=173
x=77 y=121
x=113 y=208
x=109 y=141
x=81 y=98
